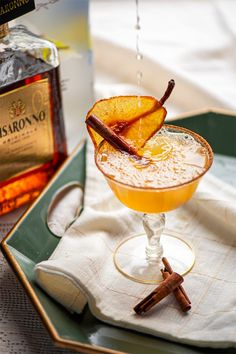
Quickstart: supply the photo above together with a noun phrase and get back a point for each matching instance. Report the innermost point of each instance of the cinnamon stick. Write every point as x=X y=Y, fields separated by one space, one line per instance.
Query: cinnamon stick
x=181 y=299
x=109 y=135
x=164 y=289
x=170 y=270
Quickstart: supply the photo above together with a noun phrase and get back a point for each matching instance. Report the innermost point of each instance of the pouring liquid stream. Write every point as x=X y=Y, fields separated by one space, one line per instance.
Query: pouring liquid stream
x=139 y=56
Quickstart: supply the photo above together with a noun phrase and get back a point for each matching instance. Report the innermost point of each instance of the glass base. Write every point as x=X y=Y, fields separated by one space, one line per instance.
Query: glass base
x=130 y=258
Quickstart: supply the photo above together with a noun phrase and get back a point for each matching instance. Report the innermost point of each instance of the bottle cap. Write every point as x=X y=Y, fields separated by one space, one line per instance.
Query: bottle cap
x=11 y=9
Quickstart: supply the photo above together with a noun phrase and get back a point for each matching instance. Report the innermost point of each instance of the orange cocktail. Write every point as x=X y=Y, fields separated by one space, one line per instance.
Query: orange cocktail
x=174 y=161
x=151 y=168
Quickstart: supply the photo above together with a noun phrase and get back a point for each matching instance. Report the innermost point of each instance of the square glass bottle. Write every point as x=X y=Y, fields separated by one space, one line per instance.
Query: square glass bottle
x=32 y=134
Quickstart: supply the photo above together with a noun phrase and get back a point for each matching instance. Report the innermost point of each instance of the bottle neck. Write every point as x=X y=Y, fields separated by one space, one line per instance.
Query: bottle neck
x=4 y=30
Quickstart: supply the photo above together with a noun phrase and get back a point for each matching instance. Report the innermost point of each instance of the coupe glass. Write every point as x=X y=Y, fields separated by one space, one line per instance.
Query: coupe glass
x=139 y=257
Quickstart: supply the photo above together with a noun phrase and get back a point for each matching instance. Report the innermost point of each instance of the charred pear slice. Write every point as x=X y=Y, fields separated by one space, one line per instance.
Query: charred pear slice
x=134 y=118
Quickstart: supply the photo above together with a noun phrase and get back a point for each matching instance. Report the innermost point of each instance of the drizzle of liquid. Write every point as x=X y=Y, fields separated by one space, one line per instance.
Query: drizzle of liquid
x=154 y=150
x=157 y=148
x=139 y=56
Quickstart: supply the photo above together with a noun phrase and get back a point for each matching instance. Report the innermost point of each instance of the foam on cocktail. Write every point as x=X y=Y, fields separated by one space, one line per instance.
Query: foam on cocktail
x=170 y=158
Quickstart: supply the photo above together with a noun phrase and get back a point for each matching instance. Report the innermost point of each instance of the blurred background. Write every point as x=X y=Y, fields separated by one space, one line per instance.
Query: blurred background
x=191 y=41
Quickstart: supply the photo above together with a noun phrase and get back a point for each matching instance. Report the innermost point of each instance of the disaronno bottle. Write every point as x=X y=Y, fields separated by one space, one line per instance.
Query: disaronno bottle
x=32 y=136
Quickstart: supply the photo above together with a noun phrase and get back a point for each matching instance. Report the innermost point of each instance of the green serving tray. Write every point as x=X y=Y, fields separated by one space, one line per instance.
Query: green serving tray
x=31 y=242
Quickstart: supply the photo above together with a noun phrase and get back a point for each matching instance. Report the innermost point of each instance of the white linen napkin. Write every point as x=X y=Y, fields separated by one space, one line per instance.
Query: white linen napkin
x=82 y=267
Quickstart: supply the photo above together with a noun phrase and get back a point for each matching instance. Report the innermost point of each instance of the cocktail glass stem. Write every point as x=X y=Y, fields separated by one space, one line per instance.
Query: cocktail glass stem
x=139 y=257
x=154 y=225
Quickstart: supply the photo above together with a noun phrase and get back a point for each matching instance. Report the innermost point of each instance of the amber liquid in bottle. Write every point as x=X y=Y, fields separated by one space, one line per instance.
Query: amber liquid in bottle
x=25 y=186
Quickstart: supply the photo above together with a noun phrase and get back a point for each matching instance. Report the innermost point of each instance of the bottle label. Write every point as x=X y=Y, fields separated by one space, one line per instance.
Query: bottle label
x=11 y=9
x=26 y=135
